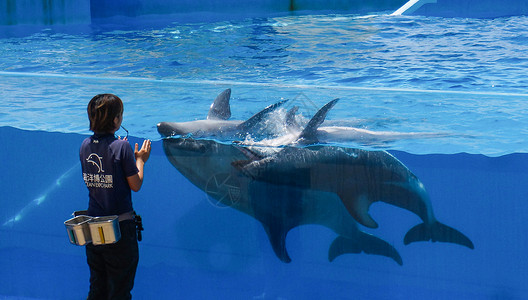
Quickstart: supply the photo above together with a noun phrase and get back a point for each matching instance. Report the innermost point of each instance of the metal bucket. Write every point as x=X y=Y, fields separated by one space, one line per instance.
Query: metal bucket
x=78 y=230
x=104 y=230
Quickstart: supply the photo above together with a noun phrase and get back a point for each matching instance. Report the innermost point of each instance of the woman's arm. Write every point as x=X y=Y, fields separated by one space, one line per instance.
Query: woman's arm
x=142 y=155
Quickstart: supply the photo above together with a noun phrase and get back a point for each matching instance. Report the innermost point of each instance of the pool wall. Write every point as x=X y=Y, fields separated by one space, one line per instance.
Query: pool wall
x=472 y=8
x=85 y=11
x=44 y=12
x=49 y=12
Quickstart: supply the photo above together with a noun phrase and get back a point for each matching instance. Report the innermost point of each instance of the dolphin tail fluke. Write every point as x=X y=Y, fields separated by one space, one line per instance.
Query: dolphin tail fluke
x=437 y=232
x=364 y=243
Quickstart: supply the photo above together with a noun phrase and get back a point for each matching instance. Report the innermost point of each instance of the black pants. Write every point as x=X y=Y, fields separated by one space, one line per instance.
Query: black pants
x=113 y=267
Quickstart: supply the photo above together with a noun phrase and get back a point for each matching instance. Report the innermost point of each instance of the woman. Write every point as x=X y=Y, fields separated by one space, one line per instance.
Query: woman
x=111 y=170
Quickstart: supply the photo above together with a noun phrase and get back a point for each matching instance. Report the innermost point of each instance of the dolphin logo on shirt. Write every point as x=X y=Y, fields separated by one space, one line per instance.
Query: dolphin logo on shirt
x=97 y=161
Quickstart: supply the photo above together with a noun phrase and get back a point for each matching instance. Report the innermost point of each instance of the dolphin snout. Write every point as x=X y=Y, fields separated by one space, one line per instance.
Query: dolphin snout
x=165 y=129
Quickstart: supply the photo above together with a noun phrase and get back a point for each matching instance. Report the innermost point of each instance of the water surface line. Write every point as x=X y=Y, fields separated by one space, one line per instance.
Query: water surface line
x=258 y=84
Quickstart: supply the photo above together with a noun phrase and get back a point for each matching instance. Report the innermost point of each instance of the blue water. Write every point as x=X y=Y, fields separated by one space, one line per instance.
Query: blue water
x=462 y=77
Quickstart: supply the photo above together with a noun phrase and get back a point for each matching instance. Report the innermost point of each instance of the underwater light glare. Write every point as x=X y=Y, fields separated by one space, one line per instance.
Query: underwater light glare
x=40 y=199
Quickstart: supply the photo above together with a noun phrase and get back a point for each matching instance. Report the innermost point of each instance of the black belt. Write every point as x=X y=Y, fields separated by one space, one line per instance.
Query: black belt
x=127 y=216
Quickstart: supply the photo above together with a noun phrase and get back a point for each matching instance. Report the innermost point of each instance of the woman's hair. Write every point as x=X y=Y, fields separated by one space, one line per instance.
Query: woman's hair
x=102 y=110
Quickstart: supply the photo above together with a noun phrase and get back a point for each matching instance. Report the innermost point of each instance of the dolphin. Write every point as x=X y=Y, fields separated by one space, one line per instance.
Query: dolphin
x=360 y=178
x=217 y=125
x=208 y=164
x=343 y=134
x=314 y=132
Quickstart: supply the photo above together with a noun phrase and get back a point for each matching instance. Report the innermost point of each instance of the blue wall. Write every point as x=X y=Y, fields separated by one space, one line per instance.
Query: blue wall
x=103 y=8
x=49 y=12
x=84 y=11
x=474 y=8
x=44 y=12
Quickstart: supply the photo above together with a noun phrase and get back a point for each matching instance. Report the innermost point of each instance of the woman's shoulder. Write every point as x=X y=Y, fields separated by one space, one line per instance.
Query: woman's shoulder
x=86 y=141
x=121 y=144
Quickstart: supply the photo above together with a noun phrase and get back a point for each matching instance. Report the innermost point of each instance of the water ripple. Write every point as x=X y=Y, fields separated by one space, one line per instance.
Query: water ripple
x=346 y=52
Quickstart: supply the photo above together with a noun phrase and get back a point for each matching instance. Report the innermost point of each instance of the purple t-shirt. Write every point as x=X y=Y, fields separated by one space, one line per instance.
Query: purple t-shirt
x=106 y=163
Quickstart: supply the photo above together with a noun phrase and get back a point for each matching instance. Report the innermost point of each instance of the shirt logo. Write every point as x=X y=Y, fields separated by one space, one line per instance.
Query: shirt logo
x=97 y=161
x=97 y=180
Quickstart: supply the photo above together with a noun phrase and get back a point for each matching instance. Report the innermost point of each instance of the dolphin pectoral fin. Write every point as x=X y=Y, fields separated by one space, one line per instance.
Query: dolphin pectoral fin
x=251 y=155
x=364 y=243
x=358 y=209
x=437 y=232
x=240 y=165
x=365 y=219
x=277 y=238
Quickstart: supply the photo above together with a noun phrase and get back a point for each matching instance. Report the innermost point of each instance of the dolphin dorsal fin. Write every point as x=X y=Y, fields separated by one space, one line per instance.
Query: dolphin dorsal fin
x=220 y=109
x=257 y=118
x=309 y=133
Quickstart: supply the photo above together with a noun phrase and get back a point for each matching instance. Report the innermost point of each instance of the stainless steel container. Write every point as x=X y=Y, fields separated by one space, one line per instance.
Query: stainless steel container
x=78 y=230
x=104 y=230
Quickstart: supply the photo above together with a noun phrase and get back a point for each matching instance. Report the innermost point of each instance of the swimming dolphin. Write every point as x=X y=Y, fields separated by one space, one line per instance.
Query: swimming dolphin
x=217 y=124
x=359 y=178
x=254 y=131
x=314 y=132
x=279 y=208
x=343 y=134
